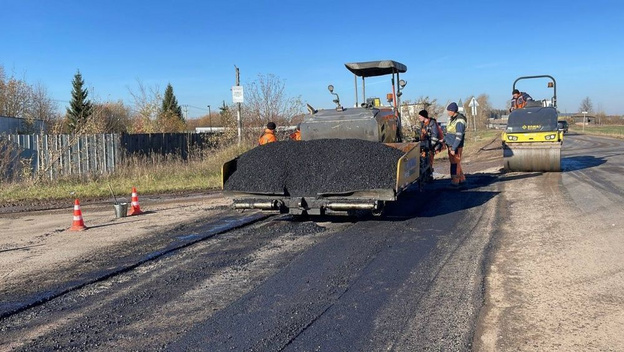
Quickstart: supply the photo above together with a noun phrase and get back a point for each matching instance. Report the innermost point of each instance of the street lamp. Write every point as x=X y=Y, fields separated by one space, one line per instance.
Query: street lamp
x=584 y=114
x=209 y=119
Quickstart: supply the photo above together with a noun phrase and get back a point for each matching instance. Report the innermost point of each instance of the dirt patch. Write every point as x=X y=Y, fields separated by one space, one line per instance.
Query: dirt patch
x=37 y=242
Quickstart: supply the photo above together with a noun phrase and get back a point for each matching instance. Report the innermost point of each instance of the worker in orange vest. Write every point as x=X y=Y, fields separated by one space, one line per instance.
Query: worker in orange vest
x=519 y=99
x=296 y=136
x=269 y=134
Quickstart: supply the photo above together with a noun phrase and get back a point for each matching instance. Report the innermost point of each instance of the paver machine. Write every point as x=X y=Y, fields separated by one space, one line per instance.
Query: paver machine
x=366 y=121
x=532 y=141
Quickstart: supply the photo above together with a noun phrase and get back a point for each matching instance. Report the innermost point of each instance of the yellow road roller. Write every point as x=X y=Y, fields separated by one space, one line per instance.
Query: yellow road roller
x=532 y=141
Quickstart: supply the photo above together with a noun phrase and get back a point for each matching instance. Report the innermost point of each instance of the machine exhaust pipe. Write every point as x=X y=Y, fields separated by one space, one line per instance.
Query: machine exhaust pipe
x=350 y=206
x=262 y=205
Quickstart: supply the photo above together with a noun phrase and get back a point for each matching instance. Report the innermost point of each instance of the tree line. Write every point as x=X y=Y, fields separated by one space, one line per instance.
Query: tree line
x=154 y=111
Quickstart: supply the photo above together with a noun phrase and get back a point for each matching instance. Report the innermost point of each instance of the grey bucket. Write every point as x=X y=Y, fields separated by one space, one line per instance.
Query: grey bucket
x=121 y=210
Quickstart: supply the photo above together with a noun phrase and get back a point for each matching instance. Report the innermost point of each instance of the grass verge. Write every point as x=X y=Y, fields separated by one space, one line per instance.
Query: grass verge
x=149 y=176
x=616 y=131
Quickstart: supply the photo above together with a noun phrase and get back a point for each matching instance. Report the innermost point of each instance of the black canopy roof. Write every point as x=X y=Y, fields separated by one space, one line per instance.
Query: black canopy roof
x=376 y=68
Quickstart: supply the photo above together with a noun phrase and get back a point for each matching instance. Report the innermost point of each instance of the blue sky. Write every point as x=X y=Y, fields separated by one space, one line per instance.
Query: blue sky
x=453 y=49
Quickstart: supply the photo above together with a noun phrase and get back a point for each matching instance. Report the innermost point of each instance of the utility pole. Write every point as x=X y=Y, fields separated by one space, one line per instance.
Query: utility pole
x=209 y=119
x=238 y=113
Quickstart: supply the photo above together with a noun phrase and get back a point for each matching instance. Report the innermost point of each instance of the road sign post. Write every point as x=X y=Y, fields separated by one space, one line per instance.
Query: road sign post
x=237 y=97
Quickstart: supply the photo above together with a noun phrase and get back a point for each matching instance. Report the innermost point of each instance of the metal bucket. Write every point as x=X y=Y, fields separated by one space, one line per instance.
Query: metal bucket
x=121 y=210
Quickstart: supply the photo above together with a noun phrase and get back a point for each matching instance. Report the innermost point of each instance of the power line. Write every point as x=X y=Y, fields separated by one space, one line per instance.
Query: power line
x=196 y=107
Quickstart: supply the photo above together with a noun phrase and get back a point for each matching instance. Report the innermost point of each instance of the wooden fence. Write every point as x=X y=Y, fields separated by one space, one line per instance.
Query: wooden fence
x=63 y=155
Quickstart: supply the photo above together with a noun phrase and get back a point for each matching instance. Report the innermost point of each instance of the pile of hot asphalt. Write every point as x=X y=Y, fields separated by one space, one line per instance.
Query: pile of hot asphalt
x=305 y=168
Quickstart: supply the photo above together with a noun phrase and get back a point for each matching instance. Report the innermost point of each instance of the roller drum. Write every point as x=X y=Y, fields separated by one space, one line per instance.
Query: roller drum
x=532 y=156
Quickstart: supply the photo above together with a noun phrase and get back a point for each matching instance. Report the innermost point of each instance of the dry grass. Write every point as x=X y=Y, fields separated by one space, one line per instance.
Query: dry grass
x=616 y=131
x=155 y=175
x=149 y=175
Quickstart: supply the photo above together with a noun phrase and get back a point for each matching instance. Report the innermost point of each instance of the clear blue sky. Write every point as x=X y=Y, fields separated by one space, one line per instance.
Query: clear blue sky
x=453 y=49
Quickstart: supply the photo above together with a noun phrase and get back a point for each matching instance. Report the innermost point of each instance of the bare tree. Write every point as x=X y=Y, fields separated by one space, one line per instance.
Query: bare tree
x=111 y=117
x=147 y=103
x=586 y=105
x=410 y=121
x=20 y=99
x=16 y=94
x=266 y=100
x=484 y=110
x=2 y=89
x=41 y=106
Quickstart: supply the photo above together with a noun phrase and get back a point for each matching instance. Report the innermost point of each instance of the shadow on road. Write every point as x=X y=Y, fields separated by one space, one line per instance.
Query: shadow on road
x=436 y=199
x=581 y=162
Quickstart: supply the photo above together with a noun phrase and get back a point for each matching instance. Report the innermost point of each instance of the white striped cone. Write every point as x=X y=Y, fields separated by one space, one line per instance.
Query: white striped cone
x=78 y=224
x=136 y=209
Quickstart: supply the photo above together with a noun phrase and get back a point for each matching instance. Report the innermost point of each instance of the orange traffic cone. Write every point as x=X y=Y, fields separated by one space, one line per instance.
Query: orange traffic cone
x=136 y=209
x=78 y=224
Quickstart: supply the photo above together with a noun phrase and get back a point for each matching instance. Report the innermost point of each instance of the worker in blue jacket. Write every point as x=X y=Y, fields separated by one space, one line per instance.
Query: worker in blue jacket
x=431 y=140
x=454 y=139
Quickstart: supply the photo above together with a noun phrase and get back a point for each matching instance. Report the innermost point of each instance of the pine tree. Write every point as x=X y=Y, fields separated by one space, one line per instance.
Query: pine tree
x=80 y=108
x=170 y=104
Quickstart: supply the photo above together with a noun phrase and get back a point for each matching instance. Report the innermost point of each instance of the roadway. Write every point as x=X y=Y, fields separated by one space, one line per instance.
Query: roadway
x=516 y=261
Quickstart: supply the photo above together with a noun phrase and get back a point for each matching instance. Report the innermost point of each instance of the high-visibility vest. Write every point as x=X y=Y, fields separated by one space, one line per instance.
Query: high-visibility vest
x=451 y=128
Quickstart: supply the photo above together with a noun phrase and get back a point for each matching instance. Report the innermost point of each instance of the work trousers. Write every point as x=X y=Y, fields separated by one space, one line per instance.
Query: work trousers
x=429 y=155
x=457 y=175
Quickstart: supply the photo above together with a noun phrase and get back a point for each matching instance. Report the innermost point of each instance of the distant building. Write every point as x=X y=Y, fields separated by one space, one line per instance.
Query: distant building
x=18 y=125
x=587 y=119
x=209 y=129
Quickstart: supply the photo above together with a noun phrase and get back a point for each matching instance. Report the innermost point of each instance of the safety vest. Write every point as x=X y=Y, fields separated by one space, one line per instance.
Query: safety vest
x=520 y=101
x=451 y=128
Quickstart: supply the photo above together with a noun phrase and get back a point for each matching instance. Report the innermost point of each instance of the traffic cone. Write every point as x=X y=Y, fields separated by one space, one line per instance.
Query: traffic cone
x=78 y=224
x=136 y=209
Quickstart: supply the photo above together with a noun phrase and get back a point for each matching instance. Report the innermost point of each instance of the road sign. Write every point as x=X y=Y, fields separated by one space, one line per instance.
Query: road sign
x=237 y=94
x=473 y=104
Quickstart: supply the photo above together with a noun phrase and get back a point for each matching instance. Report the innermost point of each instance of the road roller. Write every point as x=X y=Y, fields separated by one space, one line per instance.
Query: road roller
x=532 y=141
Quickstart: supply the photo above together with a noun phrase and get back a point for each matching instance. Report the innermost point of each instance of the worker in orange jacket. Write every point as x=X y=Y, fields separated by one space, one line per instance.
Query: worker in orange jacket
x=296 y=136
x=519 y=99
x=269 y=134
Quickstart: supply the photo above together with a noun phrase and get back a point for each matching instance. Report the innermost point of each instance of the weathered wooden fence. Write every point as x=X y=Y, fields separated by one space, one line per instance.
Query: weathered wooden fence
x=62 y=155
